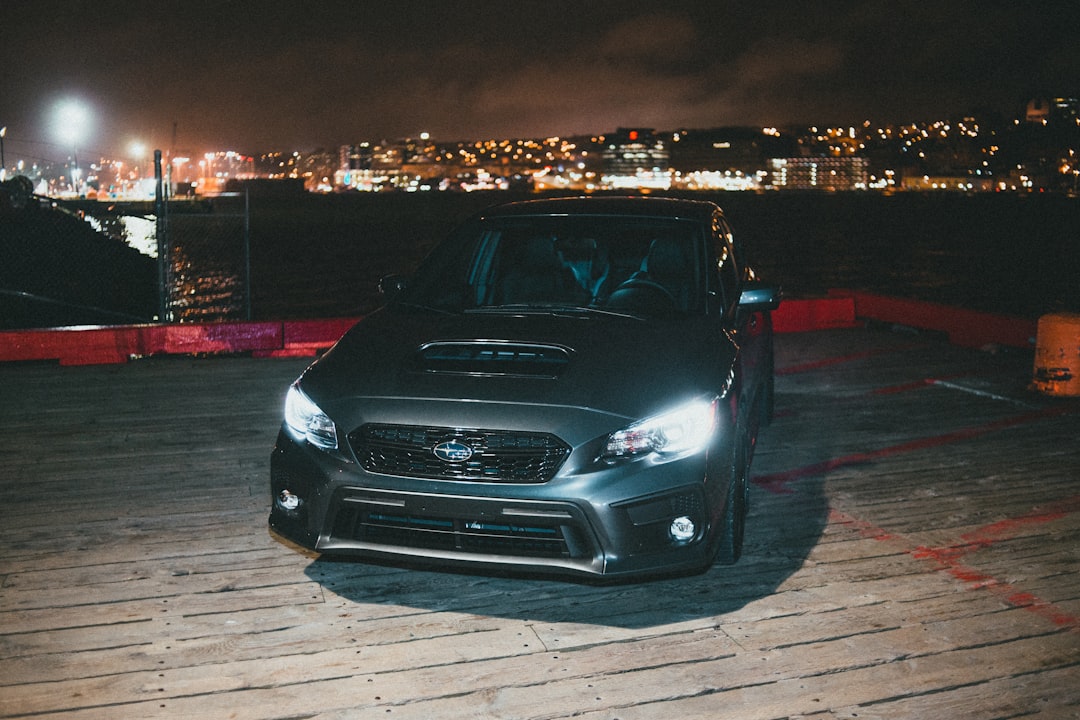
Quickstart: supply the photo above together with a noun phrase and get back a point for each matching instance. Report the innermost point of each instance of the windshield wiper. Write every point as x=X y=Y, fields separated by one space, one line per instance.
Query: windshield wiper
x=429 y=308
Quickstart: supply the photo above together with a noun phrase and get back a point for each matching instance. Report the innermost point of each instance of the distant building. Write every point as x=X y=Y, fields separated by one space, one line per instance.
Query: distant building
x=1038 y=110
x=371 y=166
x=356 y=157
x=218 y=168
x=1045 y=110
x=635 y=157
x=958 y=183
x=1066 y=108
x=737 y=149
x=819 y=173
x=628 y=151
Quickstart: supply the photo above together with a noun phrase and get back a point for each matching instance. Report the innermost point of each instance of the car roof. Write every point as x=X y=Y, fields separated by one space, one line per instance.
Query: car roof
x=638 y=206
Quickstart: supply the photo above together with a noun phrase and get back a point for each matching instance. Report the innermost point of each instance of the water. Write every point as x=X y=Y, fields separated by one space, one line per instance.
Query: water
x=137 y=231
x=320 y=256
x=315 y=256
x=1009 y=254
x=206 y=259
x=207 y=266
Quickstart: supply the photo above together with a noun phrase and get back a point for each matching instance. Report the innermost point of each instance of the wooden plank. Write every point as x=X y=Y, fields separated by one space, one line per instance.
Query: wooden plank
x=906 y=567
x=698 y=676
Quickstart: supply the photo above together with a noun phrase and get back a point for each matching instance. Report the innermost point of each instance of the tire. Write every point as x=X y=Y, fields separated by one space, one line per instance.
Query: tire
x=767 y=408
x=735 y=510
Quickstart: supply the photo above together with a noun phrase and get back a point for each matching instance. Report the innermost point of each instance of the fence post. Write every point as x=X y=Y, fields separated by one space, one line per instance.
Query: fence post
x=247 y=253
x=162 y=241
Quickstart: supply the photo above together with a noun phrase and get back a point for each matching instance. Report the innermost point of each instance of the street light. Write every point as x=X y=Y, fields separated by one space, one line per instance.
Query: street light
x=137 y=151
x=71 y=121
x=3 y=163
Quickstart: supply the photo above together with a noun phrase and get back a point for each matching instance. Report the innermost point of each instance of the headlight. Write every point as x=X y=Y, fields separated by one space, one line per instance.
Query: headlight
x=307 y=422
x=686 y=429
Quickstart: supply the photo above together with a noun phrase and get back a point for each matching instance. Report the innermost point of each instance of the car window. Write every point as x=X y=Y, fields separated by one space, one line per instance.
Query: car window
x=638 y=265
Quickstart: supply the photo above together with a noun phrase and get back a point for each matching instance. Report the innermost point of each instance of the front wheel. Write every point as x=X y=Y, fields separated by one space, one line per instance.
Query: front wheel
x=767 y=392
x=731 y=538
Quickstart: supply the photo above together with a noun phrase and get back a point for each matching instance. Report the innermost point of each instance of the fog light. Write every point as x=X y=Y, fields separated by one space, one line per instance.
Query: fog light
x=682 y=529
x=287 y=500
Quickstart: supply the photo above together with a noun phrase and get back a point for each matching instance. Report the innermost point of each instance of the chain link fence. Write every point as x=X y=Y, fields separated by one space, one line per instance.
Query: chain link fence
x=207 y=278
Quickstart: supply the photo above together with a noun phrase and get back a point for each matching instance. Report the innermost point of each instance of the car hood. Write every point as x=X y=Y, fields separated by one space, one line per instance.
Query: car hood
x=618 y=366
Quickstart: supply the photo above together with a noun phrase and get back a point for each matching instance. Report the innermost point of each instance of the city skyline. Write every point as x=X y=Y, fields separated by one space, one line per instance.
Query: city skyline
x=1037 y=151
x=271 y=75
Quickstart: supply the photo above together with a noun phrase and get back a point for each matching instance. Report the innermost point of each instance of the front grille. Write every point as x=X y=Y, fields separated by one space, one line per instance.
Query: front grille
x=497 y=456
x=529 y=538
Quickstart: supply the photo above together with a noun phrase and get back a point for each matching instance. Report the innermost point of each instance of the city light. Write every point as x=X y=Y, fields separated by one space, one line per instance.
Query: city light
x=965 y=154
x=71 y=122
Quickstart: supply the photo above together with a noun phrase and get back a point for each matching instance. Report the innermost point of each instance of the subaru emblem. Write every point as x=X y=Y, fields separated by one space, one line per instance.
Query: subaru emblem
x=452 y=451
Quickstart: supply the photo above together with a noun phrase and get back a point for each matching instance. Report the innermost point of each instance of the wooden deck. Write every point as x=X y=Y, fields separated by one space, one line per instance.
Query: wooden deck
x=913 y=552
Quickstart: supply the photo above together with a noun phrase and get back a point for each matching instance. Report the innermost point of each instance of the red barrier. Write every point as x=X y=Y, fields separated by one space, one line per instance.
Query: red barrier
x=117 y=344
x=306 y=338
x=968 y=328
x=818 y=314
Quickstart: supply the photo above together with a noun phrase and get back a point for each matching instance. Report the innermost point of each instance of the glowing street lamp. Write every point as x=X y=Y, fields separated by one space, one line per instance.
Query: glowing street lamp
x=71 y=122
x=137 y=151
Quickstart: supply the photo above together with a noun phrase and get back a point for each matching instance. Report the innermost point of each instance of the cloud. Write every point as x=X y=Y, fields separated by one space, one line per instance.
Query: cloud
x=303 y=75
x=780 y=60
x=631 y=74
x=770 y=81
x=651 y=38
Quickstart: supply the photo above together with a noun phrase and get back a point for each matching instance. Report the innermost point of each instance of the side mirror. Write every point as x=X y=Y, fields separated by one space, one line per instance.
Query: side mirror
x=758 y=297
x=390 y=286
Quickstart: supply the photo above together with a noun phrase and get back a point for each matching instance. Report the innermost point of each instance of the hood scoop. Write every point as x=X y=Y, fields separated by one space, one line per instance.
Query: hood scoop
x=486 y=357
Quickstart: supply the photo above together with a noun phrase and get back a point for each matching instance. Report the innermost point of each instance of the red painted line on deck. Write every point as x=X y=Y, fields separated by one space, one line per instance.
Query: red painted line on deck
x=946 y=559
x=1005 y=529
x=916 y=385
x=778 y=482
x=976 y=580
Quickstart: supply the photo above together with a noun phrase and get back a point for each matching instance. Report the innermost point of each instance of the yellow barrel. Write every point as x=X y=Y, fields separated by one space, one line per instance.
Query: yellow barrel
x=1057 y=355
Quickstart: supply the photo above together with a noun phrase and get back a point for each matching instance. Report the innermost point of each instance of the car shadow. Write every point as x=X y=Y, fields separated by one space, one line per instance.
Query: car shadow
x=783 y=526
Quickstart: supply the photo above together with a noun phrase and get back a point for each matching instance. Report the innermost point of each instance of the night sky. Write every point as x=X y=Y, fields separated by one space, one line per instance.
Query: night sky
x=261 y=75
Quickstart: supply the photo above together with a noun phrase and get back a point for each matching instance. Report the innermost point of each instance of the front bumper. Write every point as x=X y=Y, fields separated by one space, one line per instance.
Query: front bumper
x=610 y=522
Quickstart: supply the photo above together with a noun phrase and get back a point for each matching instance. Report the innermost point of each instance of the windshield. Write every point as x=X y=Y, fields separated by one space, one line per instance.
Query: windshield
x=623 y=264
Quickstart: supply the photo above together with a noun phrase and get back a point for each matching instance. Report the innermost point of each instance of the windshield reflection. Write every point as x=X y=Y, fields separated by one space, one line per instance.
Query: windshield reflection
x=638 y=266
